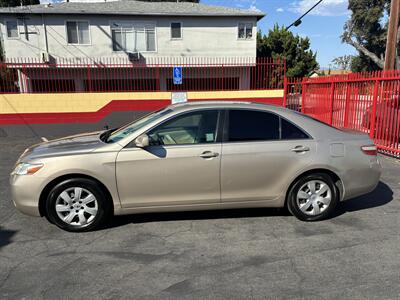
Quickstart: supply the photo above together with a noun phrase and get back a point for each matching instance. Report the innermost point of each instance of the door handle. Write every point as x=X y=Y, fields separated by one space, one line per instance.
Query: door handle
x=299 y=149
x=209 y=154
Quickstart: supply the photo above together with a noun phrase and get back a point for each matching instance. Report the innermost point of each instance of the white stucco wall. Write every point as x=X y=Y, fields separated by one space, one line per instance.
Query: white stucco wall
x=202 y=37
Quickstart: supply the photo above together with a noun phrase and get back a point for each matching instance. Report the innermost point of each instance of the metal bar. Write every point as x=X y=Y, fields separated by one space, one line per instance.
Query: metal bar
x=89 y=79
x=346 y=105
x=303 y=96
x=285 y=88
x=373 y=112
x=331 y=98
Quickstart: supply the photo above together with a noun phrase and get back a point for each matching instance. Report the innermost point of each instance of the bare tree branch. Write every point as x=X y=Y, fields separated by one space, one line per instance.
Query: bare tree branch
x=365 y=51
x=347 y=37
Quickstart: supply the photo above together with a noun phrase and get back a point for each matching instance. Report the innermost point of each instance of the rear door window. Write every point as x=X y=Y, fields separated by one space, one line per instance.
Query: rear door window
x=251 y=125
x=289 y=131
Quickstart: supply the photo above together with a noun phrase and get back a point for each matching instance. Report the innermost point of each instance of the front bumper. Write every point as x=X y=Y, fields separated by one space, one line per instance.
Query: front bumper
x=25 y=193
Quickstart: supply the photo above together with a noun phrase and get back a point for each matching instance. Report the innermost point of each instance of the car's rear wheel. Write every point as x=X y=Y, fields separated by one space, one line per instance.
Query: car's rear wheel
x=313 y=197
x=77 y=205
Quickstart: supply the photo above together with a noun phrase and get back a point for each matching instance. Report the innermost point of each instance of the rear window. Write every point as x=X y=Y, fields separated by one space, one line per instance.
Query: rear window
x=316 y=120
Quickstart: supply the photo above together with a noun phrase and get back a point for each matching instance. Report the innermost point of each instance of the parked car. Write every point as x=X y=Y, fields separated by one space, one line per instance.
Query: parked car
x=196 y=156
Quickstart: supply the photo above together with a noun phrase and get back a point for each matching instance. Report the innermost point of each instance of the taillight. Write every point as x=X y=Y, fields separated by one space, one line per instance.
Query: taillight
x=369 y=150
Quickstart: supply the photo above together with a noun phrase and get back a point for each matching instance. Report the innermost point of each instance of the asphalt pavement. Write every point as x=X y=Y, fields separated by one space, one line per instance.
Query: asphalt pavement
x=233 y=254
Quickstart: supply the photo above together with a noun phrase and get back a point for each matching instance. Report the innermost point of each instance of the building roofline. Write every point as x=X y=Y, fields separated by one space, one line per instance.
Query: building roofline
x=259 y=17
x=133 y=8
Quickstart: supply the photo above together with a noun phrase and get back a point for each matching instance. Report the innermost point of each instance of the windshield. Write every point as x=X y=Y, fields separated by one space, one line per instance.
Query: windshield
x=136 y=125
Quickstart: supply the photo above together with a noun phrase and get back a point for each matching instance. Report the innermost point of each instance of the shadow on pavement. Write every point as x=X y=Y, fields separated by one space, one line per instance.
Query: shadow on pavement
x=197 y=215
x=380 y=196
x=5 y=237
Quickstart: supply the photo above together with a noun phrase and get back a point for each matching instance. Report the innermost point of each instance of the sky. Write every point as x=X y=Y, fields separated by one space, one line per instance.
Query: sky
x=324 y=25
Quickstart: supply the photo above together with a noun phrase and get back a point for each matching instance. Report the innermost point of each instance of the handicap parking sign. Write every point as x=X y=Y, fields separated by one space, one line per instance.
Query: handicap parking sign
x=177 y=74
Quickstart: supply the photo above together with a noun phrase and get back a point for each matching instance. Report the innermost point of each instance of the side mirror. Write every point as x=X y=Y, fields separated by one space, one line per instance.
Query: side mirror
x=142 y=141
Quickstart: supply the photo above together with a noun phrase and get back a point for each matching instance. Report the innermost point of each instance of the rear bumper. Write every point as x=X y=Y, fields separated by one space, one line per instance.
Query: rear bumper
x=363 y=180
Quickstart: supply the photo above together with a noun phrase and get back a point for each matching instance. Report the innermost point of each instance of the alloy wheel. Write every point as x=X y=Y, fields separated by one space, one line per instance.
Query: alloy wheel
x=76 y=206
x=314 y=197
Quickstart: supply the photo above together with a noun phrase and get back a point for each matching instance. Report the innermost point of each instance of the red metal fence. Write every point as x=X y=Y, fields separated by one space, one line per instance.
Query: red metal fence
x=366 y=102
x=121 y=75
x=292 y=93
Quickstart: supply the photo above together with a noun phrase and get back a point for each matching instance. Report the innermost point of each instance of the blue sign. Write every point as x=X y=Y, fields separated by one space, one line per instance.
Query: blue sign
x=177 y=74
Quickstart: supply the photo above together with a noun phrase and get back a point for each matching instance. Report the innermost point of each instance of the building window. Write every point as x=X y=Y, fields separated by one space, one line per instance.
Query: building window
x=176 y=30
x=133 y=37
x=78 y=32
x=12 y=29
x=245 y=31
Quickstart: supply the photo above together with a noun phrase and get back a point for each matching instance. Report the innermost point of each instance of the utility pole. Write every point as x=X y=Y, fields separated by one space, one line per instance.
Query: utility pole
x=391 y=44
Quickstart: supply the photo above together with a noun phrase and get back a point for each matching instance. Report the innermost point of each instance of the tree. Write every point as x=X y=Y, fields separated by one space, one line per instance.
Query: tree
x=283 y=44
x=12 y=3
x=343 y=62
x=366 y=31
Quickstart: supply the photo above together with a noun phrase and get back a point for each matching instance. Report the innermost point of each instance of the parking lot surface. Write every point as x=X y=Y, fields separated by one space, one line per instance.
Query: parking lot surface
x=235 y=254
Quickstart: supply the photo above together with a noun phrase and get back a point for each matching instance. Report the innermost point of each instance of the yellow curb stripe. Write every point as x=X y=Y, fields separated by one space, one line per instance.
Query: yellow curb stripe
x=91 y=102
x=235 y=94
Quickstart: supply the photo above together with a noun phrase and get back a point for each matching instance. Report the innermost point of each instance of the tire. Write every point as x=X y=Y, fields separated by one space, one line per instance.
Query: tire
x=78 y=205
x=313 y=197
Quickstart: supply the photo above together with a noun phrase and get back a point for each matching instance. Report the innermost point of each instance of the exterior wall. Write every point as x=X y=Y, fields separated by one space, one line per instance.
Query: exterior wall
x=202 y=37
x=93 y=107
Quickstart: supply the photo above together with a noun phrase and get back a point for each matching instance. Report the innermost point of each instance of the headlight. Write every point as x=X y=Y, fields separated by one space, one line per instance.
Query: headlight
x=26 y=169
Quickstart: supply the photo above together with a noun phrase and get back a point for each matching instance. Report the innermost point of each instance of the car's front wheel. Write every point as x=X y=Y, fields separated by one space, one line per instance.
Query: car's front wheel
x=77 y=205
x=313 y=197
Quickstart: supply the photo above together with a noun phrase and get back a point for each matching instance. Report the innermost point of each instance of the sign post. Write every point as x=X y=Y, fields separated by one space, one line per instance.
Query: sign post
x=177 y=75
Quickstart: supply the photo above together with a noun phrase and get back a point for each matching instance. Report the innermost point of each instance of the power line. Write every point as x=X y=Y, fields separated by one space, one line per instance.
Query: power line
x=298 y=21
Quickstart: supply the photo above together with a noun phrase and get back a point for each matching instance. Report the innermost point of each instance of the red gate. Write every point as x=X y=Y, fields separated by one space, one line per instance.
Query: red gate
x=366 y=102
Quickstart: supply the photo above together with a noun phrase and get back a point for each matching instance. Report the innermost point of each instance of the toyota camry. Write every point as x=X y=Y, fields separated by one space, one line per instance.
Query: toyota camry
x=196 y=156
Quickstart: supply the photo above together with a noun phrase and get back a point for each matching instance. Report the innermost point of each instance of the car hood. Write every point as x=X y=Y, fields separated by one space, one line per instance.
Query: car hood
x=70 y=145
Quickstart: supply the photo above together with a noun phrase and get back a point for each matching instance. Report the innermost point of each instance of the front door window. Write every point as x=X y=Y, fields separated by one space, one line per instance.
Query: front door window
x=192 y=128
